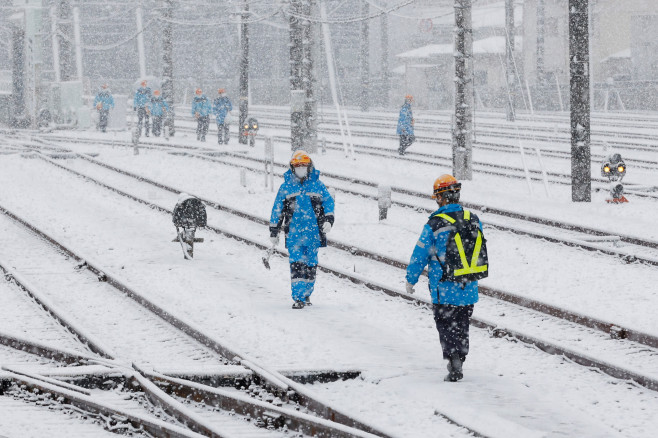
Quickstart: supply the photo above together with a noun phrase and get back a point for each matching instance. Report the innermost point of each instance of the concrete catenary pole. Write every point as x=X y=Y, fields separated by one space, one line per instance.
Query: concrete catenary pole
x=65 y=35
x=55 y=43
x=244 y=73
x=509 y=59
x=308 y=80
x=168 y=62
x=541 y=75
x=78 y=43
x=581 y=172
x=386 y=74
x=140 y=42
x=18 y=74
x=462 y=136
x=365 y=60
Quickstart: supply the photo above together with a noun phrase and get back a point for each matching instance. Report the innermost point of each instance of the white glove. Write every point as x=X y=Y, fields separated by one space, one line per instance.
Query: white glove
x=326 y=227
x=274 y=240
x=410 y=288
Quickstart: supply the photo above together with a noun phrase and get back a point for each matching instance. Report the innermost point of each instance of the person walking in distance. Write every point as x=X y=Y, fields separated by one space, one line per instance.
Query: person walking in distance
x=142 y=98
x=220 y=107
x=406 y=125
x=304 y=209
x=103 y=102
x=453 y=245
x=157 y=108
x=201 y=109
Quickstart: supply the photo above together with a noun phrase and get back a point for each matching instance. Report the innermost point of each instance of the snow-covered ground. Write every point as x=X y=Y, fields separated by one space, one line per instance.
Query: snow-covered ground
x=509 y=389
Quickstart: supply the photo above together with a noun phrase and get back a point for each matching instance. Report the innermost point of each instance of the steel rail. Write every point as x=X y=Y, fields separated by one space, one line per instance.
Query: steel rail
x=63 y=395
x=612 y=329
x=582 y=359
x=43 y=350
x=283 y=386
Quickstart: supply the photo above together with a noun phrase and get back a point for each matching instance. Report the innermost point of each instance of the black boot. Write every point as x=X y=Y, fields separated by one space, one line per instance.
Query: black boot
x=454 y=368
x=298 y=305
x=307 y=301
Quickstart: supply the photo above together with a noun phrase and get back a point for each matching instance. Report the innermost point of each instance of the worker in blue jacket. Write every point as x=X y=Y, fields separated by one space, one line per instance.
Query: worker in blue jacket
x=142 y=98
x=304 y=209
x=406 y=125
x=452 y=299
x=157 y=108
x=220 y=107
x=103 y=102
x=201 y=109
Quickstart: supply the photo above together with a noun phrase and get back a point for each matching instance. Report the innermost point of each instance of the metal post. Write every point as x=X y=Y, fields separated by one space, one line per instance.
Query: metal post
x=365 y=60
x=168 y=62
x=296 y=107
x=581 y=184
x=386 y=74
x=244 y=73
x=78 y=42
x=140 y=42
x=509 y=59
x=462 y=146
x=65 y=34
x=541 y=26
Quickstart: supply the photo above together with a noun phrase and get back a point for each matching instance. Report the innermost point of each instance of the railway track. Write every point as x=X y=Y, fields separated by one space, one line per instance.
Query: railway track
x=498 y=328
x=273 y=415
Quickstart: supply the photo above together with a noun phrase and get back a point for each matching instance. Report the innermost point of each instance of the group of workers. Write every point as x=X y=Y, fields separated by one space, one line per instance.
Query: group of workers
x=451 y=245
x=149 y=104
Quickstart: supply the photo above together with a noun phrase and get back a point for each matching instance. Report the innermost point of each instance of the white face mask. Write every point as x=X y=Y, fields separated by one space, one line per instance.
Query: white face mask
x=301 y=172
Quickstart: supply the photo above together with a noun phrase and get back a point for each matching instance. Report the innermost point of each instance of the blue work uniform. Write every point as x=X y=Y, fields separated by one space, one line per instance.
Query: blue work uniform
x=452 y=301
x=301 y=208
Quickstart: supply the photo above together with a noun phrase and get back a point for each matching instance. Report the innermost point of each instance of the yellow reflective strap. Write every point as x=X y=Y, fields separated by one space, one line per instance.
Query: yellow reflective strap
x=462 y=253
x=467 y=215
x=446 y=217
x=476 y=250
x=472 y=268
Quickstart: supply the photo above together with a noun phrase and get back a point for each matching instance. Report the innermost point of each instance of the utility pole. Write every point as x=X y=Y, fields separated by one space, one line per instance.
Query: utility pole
x=509 y=59
x=168 y=62
x=365 y=60
x=541 y=29
x=386 y=74
x=140 y=42
x=581 y=172
x=303 y=106
x=78 y=43
x=65 y=30
x=244 y=73
x=19 y=116
x=462 y=135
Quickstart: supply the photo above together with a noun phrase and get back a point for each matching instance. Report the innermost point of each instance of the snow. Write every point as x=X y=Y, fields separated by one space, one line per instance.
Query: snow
x=510 y=389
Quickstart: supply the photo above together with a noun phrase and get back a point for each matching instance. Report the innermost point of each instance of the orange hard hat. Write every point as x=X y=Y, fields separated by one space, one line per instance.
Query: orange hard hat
x=104 y=86
x=156 y=92
x=198 y=91
x=300 y=158
x=221 y=90
x=446 y=183
x=409 y=97
x=143 y=83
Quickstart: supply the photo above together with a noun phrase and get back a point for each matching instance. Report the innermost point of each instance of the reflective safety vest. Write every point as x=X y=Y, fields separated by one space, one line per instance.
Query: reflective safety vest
x=465 y=259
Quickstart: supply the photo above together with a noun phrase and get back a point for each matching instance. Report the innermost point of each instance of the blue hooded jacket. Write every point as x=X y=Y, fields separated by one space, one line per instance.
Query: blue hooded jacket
x=201 y=105
x=142 y=97
x=429 y=249
x=157 y=106
x=404 y=121
x=300 y=207
x=105 y=98
x=220 y=107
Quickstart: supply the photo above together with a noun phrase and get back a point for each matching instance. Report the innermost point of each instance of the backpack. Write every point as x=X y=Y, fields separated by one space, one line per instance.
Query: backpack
x=466 y=257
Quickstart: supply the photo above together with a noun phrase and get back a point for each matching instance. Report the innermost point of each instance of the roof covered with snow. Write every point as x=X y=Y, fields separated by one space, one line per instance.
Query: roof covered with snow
x=491 y=45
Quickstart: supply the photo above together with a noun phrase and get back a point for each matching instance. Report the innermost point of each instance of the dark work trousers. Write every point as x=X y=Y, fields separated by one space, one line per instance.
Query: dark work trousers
x=142 y=115
x=103 y=114
x=452 y=323
x=157 y=125
x=405 y=142
x=222 y=133
x=202 y=127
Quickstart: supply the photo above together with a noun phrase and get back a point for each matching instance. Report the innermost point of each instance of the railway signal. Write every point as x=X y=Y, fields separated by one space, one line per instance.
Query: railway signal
x=614 y=169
